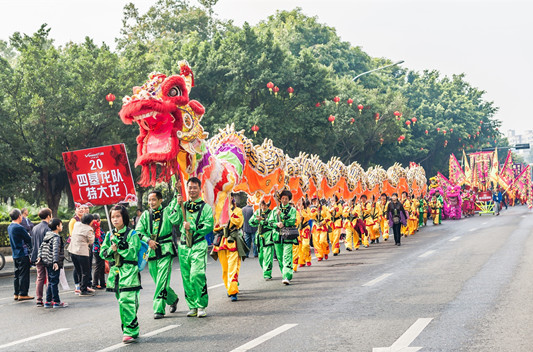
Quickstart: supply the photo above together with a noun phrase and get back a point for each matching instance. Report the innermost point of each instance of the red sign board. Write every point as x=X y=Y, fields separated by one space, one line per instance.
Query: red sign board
x=100 y=176
x=485 y=196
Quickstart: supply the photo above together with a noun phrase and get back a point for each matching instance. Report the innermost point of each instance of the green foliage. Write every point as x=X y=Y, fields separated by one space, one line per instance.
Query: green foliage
x=52 y=98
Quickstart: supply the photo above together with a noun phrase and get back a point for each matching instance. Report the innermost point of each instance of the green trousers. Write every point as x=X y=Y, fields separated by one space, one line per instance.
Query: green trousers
x=128 y=304
x=284 y=255
x=160 y=271
x=193 y=262
x=266 y=258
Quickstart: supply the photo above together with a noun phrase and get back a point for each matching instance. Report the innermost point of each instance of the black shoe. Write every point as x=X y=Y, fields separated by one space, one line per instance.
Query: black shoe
x=335 y=254
x=86 y=294
x=377 y=240
x=174 y=306
x=348 y=249
x=399 y=244
x=372 y=242
x=159 y=316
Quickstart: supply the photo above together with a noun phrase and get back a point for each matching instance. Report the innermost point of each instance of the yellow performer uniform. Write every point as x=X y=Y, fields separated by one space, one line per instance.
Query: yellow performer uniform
x=321 y=216
x=407 y=206
x=412 y=223
x=336 y=227
x=304 y=247
x=436 y=210
x=372 y=226
x=383 y=221
x=228 y=252
x=358 y=209
x=352 y=237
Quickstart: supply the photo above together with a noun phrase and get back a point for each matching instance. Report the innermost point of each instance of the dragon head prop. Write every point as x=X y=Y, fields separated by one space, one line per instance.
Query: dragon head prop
x=169 y=123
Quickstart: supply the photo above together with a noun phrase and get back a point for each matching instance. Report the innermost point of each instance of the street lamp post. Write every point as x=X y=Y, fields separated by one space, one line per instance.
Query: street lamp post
x=377 y=69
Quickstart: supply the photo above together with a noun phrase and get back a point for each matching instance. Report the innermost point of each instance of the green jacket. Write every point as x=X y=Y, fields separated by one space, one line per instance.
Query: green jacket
x=264 y=230
x=205 y=222
x=124 y=272
x=288 y=218
x=161 y=230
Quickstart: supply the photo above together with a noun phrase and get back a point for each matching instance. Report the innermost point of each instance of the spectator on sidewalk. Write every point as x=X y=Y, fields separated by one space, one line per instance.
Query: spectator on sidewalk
x=136 y=218
x=37 y=236
x=99 y=270
x=51 y=254
x=81 y=240
x=20 y=247
x=249 y=231
x=26 y=223
x=79 y=212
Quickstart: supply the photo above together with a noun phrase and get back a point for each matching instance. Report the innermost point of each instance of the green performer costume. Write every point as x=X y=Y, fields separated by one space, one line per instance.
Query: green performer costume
x=156 y=225
x=124 y=278
x=282 y=247
x=264 y=241
x=193 y=260
x=421 y=209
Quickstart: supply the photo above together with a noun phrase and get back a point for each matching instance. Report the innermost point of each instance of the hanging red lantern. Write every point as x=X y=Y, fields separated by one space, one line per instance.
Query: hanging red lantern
x=400 y=140
x=381 y=140
x=360 y=107
x=438 y=129
x=444 y=131
x=471 y=146
x=336 y=100
x=497 y=129
x=352 y=120
x=255 y=128
x=397 y=114
x=270 y=85
x=110 y=98
x=478 y=133
x=331 y=119
x=290 y=90
x=481 y=122
x=414 y=119
x=408 y=123
x=445 y=143
x=317 y=105
x=276 y=90
x=426 y=132
x=376 y=116
x=350 y=101
x=421 y=148
x=459 y=139
x=451 y=130
x=469 y=136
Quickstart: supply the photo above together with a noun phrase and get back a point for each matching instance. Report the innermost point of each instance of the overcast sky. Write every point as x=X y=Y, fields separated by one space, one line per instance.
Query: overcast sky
x=490 y=41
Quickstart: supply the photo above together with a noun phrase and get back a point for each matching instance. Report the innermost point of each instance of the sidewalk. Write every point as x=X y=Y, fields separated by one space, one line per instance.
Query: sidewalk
x=9 y=268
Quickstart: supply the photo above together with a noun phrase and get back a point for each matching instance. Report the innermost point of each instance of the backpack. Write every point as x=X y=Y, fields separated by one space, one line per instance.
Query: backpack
x=142 y=255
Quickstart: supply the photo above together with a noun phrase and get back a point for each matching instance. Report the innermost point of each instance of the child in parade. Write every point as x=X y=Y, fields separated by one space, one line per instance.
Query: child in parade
x=436 y=209
x=265 y=245
x=99 y=270
x=304 y=246
x=121 y=248
x=230 y=250
x=155 y=228
x=350 y=215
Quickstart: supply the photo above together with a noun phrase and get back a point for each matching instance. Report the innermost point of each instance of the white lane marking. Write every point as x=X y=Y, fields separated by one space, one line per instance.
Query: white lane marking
x=454 y=239
x=256 y=342
x=33 y=337
x=402 y=344
x=524 y=216
x=472 y=230
x=484 y=223
x=215 y=286
x=150 y=334
x=427 y=254
x=378 y=279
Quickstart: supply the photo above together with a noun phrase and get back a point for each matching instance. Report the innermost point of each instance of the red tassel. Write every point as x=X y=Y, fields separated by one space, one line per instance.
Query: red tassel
x=153 y=174
x=144 y=180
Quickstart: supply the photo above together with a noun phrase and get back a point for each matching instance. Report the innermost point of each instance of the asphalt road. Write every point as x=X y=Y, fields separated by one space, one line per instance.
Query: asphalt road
x=463 y=286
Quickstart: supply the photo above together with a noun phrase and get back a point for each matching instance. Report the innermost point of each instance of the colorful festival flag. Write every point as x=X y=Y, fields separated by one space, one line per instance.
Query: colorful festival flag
x=457 y=176
x=506 y=174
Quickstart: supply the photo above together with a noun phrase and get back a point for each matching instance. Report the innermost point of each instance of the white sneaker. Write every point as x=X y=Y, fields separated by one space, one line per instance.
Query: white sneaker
x=192 y=313
x=201 y=313
x=286 y=282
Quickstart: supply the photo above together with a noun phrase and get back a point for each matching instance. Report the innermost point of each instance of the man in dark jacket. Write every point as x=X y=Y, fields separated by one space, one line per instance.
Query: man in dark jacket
x=249 y=231
x=37 y=236
x=20 y=246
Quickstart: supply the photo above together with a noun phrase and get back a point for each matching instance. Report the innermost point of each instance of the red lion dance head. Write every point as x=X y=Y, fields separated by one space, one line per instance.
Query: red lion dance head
x=167 y=120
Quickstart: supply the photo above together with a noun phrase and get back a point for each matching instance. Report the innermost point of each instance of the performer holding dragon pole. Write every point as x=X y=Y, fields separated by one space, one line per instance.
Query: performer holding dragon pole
x=383 y=221
x=336 y=225
x=282 y=216
x=197 y=223
x=350 y=214
x=304 y=256
x=155 y=228
x=265 y=244
x=321 y=217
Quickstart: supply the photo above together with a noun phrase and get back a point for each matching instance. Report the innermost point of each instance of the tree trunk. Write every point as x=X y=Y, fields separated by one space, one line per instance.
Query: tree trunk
x=140 y=194
x=53 y=185
x=70 y=198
